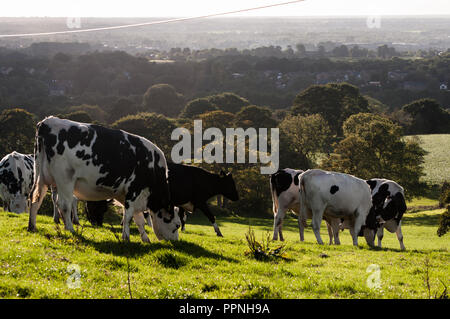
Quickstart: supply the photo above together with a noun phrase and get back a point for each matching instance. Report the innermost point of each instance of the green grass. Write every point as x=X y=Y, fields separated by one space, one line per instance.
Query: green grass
x=437 y=161
x=201 y=265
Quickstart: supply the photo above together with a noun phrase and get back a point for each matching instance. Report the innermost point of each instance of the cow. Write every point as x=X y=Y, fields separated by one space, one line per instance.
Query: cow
x=191 y=187
x=97 y=163
x=337 y=195
x=388 y=199
x=285 y=196
x=16 y=181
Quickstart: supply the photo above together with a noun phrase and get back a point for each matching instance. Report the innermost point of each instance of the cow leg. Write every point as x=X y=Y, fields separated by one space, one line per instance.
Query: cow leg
x=75 y=219
x=359 y=222
x=278 y=223
x=55 y=207
x=127 y=216
x=182 y=215
x=65 y=207
x=330 y=232
x=37 y=197
x=335 y=226
x=315 y=223
x=205 y=209
x=380 y=234
x=139 y=219
x=400 y=236
x=147 y=218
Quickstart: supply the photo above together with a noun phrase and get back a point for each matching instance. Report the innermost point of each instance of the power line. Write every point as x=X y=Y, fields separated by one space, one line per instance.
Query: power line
x=148 y=23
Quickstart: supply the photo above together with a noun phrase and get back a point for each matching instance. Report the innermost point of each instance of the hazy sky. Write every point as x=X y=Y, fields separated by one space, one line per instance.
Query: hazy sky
x=187 y=8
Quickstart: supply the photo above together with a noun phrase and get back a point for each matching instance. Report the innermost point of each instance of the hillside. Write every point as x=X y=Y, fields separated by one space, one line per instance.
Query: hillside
x=437 y=161
x=92 y=263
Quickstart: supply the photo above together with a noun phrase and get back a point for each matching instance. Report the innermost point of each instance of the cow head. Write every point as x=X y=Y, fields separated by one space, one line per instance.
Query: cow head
x=165 y=224
x=18 y=203
x=228 y=186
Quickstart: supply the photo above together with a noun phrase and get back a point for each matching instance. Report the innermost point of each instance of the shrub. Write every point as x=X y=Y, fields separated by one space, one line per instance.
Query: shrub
x=444 y=197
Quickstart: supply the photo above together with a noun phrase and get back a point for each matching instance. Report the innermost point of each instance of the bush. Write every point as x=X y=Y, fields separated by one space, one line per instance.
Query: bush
x=444 y=222
x=444 y=197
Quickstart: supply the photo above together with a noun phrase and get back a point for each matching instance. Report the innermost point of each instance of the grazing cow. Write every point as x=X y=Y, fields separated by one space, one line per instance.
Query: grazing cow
x=191 y=187
x=337 y=195
x=96 y=163
x=388 y=199
x=285 y=196
x=16 y=181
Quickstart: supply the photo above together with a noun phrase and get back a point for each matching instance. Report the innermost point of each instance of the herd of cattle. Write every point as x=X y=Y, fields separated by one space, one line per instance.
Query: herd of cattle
x=88 y=162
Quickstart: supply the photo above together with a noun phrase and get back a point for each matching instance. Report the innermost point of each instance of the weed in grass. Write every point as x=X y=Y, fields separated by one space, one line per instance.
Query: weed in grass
x=262 y=251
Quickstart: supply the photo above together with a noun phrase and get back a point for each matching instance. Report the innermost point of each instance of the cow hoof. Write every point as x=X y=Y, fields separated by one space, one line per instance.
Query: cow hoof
x=219 y=235
x=31 y=229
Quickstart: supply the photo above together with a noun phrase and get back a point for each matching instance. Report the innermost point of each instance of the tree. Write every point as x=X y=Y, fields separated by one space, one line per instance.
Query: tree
x=154 y=127
x=123 y=107
x=77 y=116
x=163 y=99
x=95 y=112
x=17 y=131
x=228 y=102
x=305 y=137
x=254 y=116
x=373 y=147
x=217 y=118
x=334 y=101
x=196 y=107
x=427 y=117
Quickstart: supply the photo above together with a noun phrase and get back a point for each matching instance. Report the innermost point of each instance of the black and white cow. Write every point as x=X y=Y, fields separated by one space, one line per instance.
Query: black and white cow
x=191 y=187
x=388 y=199
x=96 y=163
x=337 y=195
x=285 y=196
x=16 y=181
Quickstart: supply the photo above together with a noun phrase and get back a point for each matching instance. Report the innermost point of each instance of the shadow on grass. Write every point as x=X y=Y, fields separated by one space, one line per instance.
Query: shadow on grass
x=422 y=220
x=117 y=247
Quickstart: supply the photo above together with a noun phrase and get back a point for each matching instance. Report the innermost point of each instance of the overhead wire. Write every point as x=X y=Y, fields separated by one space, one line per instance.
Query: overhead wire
x=148 y=23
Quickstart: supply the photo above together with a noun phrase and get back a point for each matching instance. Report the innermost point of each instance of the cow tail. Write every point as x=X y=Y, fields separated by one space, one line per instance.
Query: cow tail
x=302 y=198
x=39 y=156
x=274 y=195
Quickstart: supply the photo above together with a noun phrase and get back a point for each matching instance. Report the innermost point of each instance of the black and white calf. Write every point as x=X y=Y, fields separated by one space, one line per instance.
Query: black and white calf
x=285 y=196
x=388 y=199
x=16 y=181
x=96 y=163
x=337 y=195
x=191 y=187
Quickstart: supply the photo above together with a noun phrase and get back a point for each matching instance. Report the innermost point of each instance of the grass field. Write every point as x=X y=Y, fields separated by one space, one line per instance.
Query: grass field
x=437 y=161
x=45 y=264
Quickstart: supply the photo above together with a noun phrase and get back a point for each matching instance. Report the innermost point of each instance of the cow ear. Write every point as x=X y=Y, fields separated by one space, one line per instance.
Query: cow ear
x=222 y=173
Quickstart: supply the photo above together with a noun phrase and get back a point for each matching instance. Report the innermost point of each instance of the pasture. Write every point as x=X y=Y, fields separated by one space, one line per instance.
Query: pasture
x=437 y=161
x=46 y=264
